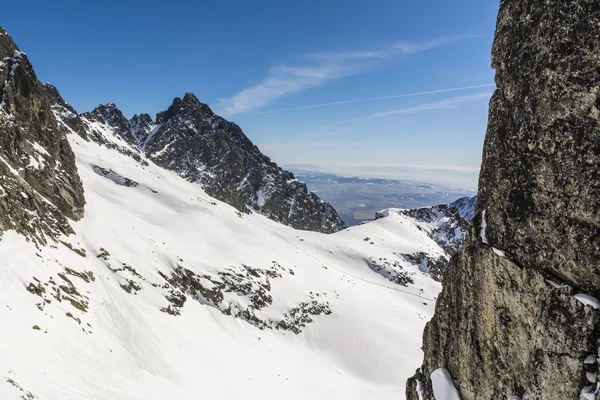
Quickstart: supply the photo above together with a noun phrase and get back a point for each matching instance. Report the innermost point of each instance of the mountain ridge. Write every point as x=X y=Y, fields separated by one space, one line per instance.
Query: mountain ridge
x=205 y=148
x=445 y=224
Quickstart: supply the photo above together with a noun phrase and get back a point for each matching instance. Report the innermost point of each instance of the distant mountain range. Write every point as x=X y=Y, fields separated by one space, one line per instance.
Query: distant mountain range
x=357 y=199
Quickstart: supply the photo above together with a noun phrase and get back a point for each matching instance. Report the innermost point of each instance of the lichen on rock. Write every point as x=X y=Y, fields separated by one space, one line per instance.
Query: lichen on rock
x=507 y=322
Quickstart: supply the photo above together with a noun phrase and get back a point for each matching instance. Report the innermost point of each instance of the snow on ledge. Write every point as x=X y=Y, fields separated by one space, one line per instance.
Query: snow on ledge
x=591 y=359
x=591 y=377
x=556 y=284
x=420 y=390
x=588 y=300
x=587 y=393
x=443 y=386
x=499 y=252
x=484 y=238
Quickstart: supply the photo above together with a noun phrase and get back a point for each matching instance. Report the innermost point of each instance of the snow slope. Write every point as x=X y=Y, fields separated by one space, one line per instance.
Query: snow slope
x=93 y=317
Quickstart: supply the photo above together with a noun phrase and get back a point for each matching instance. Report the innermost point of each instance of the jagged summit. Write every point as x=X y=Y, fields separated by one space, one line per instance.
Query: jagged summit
x=188 y=107
x=190 y=139
x=140 y=126
x=110 y=115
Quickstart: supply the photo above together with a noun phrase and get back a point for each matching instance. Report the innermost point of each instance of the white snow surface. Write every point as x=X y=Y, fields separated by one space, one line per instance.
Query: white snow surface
x=366 y=349
x=443 y=386
x=591 y=376
x=420 y=390
x=260 y=198
x=588 y=300
x=588 y=393
x=499 y=252
x=483 y=235
x=556 y=284
x=591 y=359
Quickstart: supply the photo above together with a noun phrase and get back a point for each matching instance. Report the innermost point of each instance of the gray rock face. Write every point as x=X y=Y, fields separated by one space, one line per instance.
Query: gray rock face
x=202 y=147
x=508 y=322
x=39 y=184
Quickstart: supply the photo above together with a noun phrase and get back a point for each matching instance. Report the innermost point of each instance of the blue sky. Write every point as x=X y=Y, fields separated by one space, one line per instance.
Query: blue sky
x=350 y=86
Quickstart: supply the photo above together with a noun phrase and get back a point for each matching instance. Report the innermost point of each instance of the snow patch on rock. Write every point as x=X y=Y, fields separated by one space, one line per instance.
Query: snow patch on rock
x=443 y=386
x=588 y=300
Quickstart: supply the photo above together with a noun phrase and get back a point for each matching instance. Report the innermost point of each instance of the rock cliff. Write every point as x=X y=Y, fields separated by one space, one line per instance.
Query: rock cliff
x=518 y=312
x=39 y=184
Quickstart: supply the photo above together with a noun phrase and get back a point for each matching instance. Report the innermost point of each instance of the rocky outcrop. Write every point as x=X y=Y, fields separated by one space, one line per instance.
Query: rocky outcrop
x=202 y=147
x=39 y=184
x=518 y=314
x=445 y=224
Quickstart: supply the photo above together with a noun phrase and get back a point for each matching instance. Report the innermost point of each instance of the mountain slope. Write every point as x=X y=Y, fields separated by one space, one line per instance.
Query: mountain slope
x=149 y=288
x=445 y=224
x=518 y=315
x=202 y=147
x=168 y=300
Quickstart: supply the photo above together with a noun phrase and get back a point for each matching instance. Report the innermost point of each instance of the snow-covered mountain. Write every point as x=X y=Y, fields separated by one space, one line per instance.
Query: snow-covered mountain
x=445 y=224
x=202 y=147
x=121 y=279
x=184 y=295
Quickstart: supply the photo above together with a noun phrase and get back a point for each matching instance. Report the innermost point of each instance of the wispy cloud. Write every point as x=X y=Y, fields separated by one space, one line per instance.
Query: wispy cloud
x=448 y=103
x=346 y=126
x=396 y=96
x=316 y=69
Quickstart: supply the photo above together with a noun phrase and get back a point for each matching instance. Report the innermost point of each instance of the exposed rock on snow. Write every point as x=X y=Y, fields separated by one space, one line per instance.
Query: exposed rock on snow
x=446 y=224
x=113 y=176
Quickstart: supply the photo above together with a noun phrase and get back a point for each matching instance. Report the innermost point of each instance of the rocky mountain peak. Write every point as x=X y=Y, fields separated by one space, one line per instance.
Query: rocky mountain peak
x=141 y=120
x=140 y=126
x=110 y=116
x=207 y=149
x=189 y=108
x=190 y=139
x=465 y=207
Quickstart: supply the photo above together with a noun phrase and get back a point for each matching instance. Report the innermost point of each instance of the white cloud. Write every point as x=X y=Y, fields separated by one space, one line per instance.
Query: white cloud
x=449 y=103
x=395 y=96
x=317 y=69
